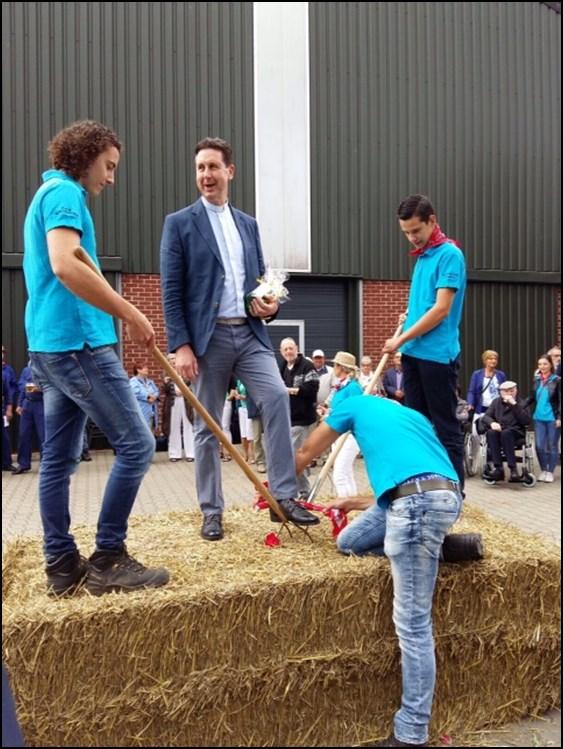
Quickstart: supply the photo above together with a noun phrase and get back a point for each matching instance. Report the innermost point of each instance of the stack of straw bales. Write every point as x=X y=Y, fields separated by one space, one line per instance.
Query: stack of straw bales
x=251 y=646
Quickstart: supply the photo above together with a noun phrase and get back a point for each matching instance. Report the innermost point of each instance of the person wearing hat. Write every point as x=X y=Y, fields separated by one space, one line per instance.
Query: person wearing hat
x=325 y=374
x=506 y=420
x=346 y=385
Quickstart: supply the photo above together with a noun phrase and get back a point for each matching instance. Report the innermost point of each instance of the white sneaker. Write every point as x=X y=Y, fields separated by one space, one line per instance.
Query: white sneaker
x=541 y=477
x=548 y=478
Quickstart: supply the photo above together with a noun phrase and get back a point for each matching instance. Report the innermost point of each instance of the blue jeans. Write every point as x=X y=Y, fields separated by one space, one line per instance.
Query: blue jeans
x=547 y=437
x=77 y=384
x=410 y=532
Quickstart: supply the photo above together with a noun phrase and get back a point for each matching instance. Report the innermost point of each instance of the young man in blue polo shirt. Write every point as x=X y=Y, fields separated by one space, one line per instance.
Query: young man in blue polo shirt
x=418 y=499
x=429 y=342
x=70 y=335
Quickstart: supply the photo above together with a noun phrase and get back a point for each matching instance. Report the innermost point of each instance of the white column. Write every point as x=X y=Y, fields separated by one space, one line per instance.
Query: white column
x=282 y=133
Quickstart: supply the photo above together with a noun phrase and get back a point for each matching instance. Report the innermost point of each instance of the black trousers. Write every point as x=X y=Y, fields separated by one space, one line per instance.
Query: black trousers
x=504 y=441
x=430 y=388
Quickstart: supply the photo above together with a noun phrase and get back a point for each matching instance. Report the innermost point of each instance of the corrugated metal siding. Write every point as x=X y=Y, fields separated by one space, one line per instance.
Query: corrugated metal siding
x=460 y=101
x=14 y=298
x=163 y=75
x=517 y=320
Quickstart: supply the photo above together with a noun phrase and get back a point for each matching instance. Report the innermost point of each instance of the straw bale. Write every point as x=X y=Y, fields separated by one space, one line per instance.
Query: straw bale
x=294 y=646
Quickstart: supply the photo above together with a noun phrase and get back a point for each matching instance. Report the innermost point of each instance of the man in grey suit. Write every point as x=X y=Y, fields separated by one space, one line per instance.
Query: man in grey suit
x=210 y=259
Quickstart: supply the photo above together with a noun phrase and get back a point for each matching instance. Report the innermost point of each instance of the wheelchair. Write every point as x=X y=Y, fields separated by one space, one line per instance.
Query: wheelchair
x=471 y=450
x=524 y=449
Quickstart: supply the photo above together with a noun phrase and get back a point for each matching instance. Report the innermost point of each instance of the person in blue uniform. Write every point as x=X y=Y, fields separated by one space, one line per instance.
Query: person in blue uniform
x=31 y=413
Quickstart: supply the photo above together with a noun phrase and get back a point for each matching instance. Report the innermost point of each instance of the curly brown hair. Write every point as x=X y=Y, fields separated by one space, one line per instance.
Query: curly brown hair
x=77 y=146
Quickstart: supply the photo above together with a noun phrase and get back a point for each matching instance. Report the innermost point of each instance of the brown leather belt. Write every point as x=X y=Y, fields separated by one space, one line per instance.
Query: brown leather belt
x=423 y=485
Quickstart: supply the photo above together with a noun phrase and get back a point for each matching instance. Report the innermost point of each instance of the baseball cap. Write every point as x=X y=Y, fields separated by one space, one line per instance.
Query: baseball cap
x=318 y=352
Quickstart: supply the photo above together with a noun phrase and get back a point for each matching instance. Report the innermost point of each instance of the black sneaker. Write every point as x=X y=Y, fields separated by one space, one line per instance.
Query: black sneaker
x=462 y=547
x=495 y=474
x=117 y=571
x=65 y=574
x=294 y=513
x=392 y=741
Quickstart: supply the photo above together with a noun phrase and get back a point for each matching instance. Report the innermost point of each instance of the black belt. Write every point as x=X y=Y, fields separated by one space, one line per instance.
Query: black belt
x=422 y=485
x=231 y=321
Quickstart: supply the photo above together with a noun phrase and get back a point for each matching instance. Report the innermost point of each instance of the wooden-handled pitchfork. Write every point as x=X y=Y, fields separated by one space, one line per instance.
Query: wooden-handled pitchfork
x=159 y=357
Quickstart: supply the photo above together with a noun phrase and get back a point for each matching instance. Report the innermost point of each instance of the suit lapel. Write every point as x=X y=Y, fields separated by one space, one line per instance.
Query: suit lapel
x=249 y=281
x=203 y=225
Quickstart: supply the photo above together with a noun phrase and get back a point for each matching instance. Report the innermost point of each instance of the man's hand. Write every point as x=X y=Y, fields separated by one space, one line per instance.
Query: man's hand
x=348 y=504
x=496 y=426
x=264 y=307
x=399 y=394
x=9 y=412
x=19 y=410
x=391 y=345
x=293 y=391
x=186 y=363
x=139 y=328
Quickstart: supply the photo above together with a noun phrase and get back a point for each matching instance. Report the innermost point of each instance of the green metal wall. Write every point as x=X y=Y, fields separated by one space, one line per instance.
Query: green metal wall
x=460 y=101
x=163 y=75
x=517 y=320
x=14 y=298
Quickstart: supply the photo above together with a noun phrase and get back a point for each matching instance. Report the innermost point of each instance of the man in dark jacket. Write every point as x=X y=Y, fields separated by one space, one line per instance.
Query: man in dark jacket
x=302 y=383
x=506 y=420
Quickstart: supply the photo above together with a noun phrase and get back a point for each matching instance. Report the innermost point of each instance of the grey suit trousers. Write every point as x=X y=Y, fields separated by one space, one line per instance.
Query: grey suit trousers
x=235 y=349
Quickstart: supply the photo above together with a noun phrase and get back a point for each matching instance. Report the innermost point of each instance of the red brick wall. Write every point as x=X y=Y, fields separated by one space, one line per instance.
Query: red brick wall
x=143 y=290
x=383 y=302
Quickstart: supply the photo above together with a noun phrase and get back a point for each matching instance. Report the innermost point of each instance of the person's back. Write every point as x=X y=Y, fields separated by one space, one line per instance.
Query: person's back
x=385 y=430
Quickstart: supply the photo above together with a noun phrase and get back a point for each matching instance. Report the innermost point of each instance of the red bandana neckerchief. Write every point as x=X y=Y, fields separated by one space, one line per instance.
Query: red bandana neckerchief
x=436 y=239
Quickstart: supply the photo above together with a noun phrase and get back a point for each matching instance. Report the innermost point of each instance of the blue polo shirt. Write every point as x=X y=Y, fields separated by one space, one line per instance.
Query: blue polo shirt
x=349 y=390
x=396 y=441
x=440 y=267
x=55 y=318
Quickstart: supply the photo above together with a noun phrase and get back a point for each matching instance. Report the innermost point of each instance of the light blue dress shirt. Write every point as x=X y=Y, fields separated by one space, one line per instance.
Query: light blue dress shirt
x=232 y=255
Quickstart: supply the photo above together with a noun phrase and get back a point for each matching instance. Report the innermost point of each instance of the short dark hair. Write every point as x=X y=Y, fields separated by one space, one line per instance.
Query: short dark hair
x=77 y=146
x=217 y=144
x=416 y=205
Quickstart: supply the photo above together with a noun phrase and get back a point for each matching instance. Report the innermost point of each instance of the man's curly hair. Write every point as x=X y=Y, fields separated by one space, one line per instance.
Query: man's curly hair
x=77 y=146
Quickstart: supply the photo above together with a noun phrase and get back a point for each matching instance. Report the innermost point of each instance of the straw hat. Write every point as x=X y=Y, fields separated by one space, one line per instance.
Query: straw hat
x=345 y=360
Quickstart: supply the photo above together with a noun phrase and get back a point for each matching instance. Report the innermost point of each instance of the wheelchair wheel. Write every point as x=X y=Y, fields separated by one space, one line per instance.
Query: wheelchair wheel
x=529 y=480
x=471 y=454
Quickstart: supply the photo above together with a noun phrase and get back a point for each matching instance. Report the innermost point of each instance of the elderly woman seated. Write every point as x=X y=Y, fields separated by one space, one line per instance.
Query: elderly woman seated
x=505 y=422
